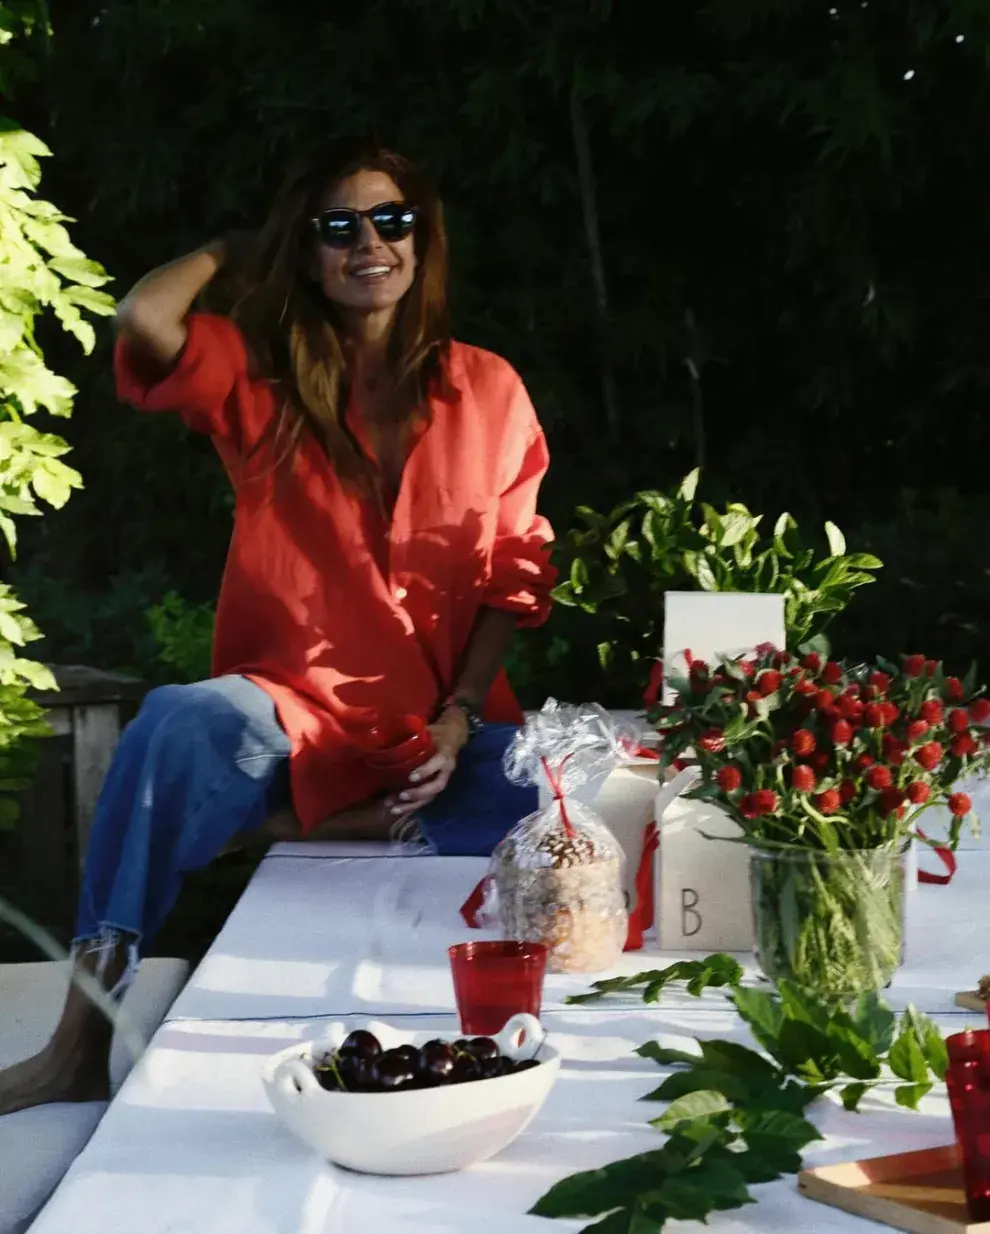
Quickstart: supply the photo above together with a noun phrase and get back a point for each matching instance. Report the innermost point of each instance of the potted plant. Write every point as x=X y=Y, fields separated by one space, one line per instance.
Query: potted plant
x=616 y=567
x=826 y=768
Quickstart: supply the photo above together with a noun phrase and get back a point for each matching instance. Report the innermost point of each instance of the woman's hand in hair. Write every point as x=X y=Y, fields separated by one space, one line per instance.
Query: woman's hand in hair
x=450 y=736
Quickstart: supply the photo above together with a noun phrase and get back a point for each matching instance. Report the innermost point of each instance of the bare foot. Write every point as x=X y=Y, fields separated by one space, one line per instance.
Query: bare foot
x=54 y=1076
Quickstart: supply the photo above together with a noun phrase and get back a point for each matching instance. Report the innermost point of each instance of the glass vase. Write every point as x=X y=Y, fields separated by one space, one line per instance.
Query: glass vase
x=830 y=924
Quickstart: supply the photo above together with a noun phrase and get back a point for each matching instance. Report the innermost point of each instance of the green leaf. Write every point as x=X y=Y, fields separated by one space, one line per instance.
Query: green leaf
x=735 y=527
x=909 y=1095
x=805 y=1051
x=617 y=541
x=774 y=1140
x=80 y=270
x=597 y=1191
x=763 y=1013
x=699 y=1104
x=699 y=1079
x=783 y=525
x=857 y=1057
x=10 y=629
x=712 y=1185
x=689 y=485
x=579 y=575
x=836 y=540
x=98 y=302
x=665 y=1057
x=852 y=1095
x=54 y=482
x=932 y=1043
x=906 y=1059
x=38 y=676
x=874 y=1021
x=739 y=1060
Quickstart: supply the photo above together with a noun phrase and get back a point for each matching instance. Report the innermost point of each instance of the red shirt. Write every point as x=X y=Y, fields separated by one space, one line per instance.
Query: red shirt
x=337 y=616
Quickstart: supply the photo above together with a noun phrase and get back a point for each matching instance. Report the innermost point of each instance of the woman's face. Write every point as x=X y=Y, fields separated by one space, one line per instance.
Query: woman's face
x=372 y=275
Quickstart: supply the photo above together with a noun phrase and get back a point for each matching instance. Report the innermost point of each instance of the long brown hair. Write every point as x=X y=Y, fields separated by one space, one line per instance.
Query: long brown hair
x=291 y=328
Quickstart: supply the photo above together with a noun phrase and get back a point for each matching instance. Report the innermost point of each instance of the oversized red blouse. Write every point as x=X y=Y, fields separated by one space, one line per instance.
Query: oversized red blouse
x=337 y=616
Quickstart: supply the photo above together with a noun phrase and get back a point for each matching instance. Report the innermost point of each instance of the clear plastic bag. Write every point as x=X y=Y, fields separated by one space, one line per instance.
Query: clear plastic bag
x=558 y=873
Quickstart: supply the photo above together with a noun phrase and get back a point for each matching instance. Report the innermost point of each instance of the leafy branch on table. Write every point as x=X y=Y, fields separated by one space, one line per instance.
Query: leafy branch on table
x=736 y=1117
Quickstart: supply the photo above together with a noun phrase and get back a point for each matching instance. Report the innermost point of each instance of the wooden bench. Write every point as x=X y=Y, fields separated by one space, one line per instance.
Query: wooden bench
x=42 y=856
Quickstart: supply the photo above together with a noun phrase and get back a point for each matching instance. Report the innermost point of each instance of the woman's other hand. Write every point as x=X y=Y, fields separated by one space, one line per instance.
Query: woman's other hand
x=450 y=735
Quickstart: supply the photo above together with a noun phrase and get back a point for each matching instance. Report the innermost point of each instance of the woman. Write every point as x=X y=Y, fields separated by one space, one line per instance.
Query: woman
x=385 y=549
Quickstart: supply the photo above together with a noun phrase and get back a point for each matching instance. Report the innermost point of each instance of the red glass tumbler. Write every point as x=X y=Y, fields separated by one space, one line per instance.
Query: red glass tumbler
x=396 y=747
x=493 y=981
x=968 y=1082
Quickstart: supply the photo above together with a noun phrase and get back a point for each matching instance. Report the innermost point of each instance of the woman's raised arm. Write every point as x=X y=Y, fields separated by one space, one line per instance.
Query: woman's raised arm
x=152 y=316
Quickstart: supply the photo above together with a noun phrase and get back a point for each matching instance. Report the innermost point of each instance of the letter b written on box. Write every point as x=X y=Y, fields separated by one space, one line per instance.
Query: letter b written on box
x=691 y=921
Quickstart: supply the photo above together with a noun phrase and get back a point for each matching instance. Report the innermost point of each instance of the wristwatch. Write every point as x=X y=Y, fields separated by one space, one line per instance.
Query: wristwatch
x=472 y=714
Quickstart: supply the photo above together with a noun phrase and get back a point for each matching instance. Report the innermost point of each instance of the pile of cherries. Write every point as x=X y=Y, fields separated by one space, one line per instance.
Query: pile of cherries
x=360 y=1065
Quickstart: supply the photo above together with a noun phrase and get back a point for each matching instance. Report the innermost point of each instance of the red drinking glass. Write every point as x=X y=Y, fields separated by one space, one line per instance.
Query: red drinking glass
x=493 y=981
x=968 y=1082
x=396 y=747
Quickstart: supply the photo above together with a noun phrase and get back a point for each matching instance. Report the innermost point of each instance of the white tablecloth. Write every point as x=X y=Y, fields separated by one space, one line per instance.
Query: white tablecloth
x=190 y=1144
x=368 y=935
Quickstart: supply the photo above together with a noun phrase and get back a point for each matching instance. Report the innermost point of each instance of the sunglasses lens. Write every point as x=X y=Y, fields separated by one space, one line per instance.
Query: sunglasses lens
x=339 y=228
x=394 y=222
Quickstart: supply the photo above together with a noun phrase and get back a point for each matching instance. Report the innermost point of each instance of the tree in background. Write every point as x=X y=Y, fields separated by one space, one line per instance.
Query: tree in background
x=41 y=272
x=744 y=232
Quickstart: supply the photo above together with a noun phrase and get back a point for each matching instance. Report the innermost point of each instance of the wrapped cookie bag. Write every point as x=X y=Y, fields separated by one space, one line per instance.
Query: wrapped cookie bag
x=556 y=878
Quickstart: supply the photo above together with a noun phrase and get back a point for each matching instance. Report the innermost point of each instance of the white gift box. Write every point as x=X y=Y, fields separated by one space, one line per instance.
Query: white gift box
x=702 y=887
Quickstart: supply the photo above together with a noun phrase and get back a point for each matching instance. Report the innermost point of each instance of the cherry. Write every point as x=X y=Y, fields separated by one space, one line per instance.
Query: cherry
x=483 y=1048
x=393 y=1071
x=466 y=1068
x=353 y=1071
x=408 y=1052
x=527 y=1064
x=435 y=1064
x=360 y=1044
x=489 y=1068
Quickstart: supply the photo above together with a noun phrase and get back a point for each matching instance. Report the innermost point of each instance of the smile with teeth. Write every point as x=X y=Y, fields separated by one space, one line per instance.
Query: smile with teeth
x=370 y=272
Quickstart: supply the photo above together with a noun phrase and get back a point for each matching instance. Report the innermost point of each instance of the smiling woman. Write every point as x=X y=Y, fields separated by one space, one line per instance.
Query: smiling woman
x=385 y=548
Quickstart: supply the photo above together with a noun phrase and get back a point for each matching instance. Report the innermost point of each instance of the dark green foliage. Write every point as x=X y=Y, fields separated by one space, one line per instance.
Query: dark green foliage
x=791 y=238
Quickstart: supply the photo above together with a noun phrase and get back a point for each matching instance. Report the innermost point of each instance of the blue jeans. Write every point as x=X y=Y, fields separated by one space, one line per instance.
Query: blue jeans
x=203 y=762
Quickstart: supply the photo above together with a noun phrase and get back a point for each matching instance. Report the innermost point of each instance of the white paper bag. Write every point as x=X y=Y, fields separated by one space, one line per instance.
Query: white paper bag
x=702 y=890
x=703 y=899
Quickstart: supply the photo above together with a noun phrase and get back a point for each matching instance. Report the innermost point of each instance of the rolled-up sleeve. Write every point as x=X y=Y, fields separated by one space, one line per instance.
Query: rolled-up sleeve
x=202 y=385
x=522 y=575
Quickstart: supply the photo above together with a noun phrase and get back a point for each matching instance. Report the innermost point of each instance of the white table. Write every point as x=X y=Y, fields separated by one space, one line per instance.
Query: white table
x=190 y=1144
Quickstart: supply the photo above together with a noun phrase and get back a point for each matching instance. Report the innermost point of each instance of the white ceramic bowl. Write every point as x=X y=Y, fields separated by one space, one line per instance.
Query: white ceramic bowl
x=421 y=1131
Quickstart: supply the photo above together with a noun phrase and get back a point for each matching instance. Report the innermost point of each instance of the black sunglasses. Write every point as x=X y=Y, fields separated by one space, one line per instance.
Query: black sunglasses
x=340 y=227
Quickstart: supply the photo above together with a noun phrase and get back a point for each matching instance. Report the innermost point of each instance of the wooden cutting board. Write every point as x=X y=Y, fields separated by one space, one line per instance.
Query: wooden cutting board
x=920 y=1192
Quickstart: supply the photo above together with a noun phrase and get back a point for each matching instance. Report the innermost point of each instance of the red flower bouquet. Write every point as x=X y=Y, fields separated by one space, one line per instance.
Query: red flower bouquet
x=826 y=767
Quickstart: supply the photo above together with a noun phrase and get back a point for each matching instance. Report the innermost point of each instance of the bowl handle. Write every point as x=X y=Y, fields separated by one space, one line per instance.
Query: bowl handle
x=295 y=1080
x=522 y=1038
